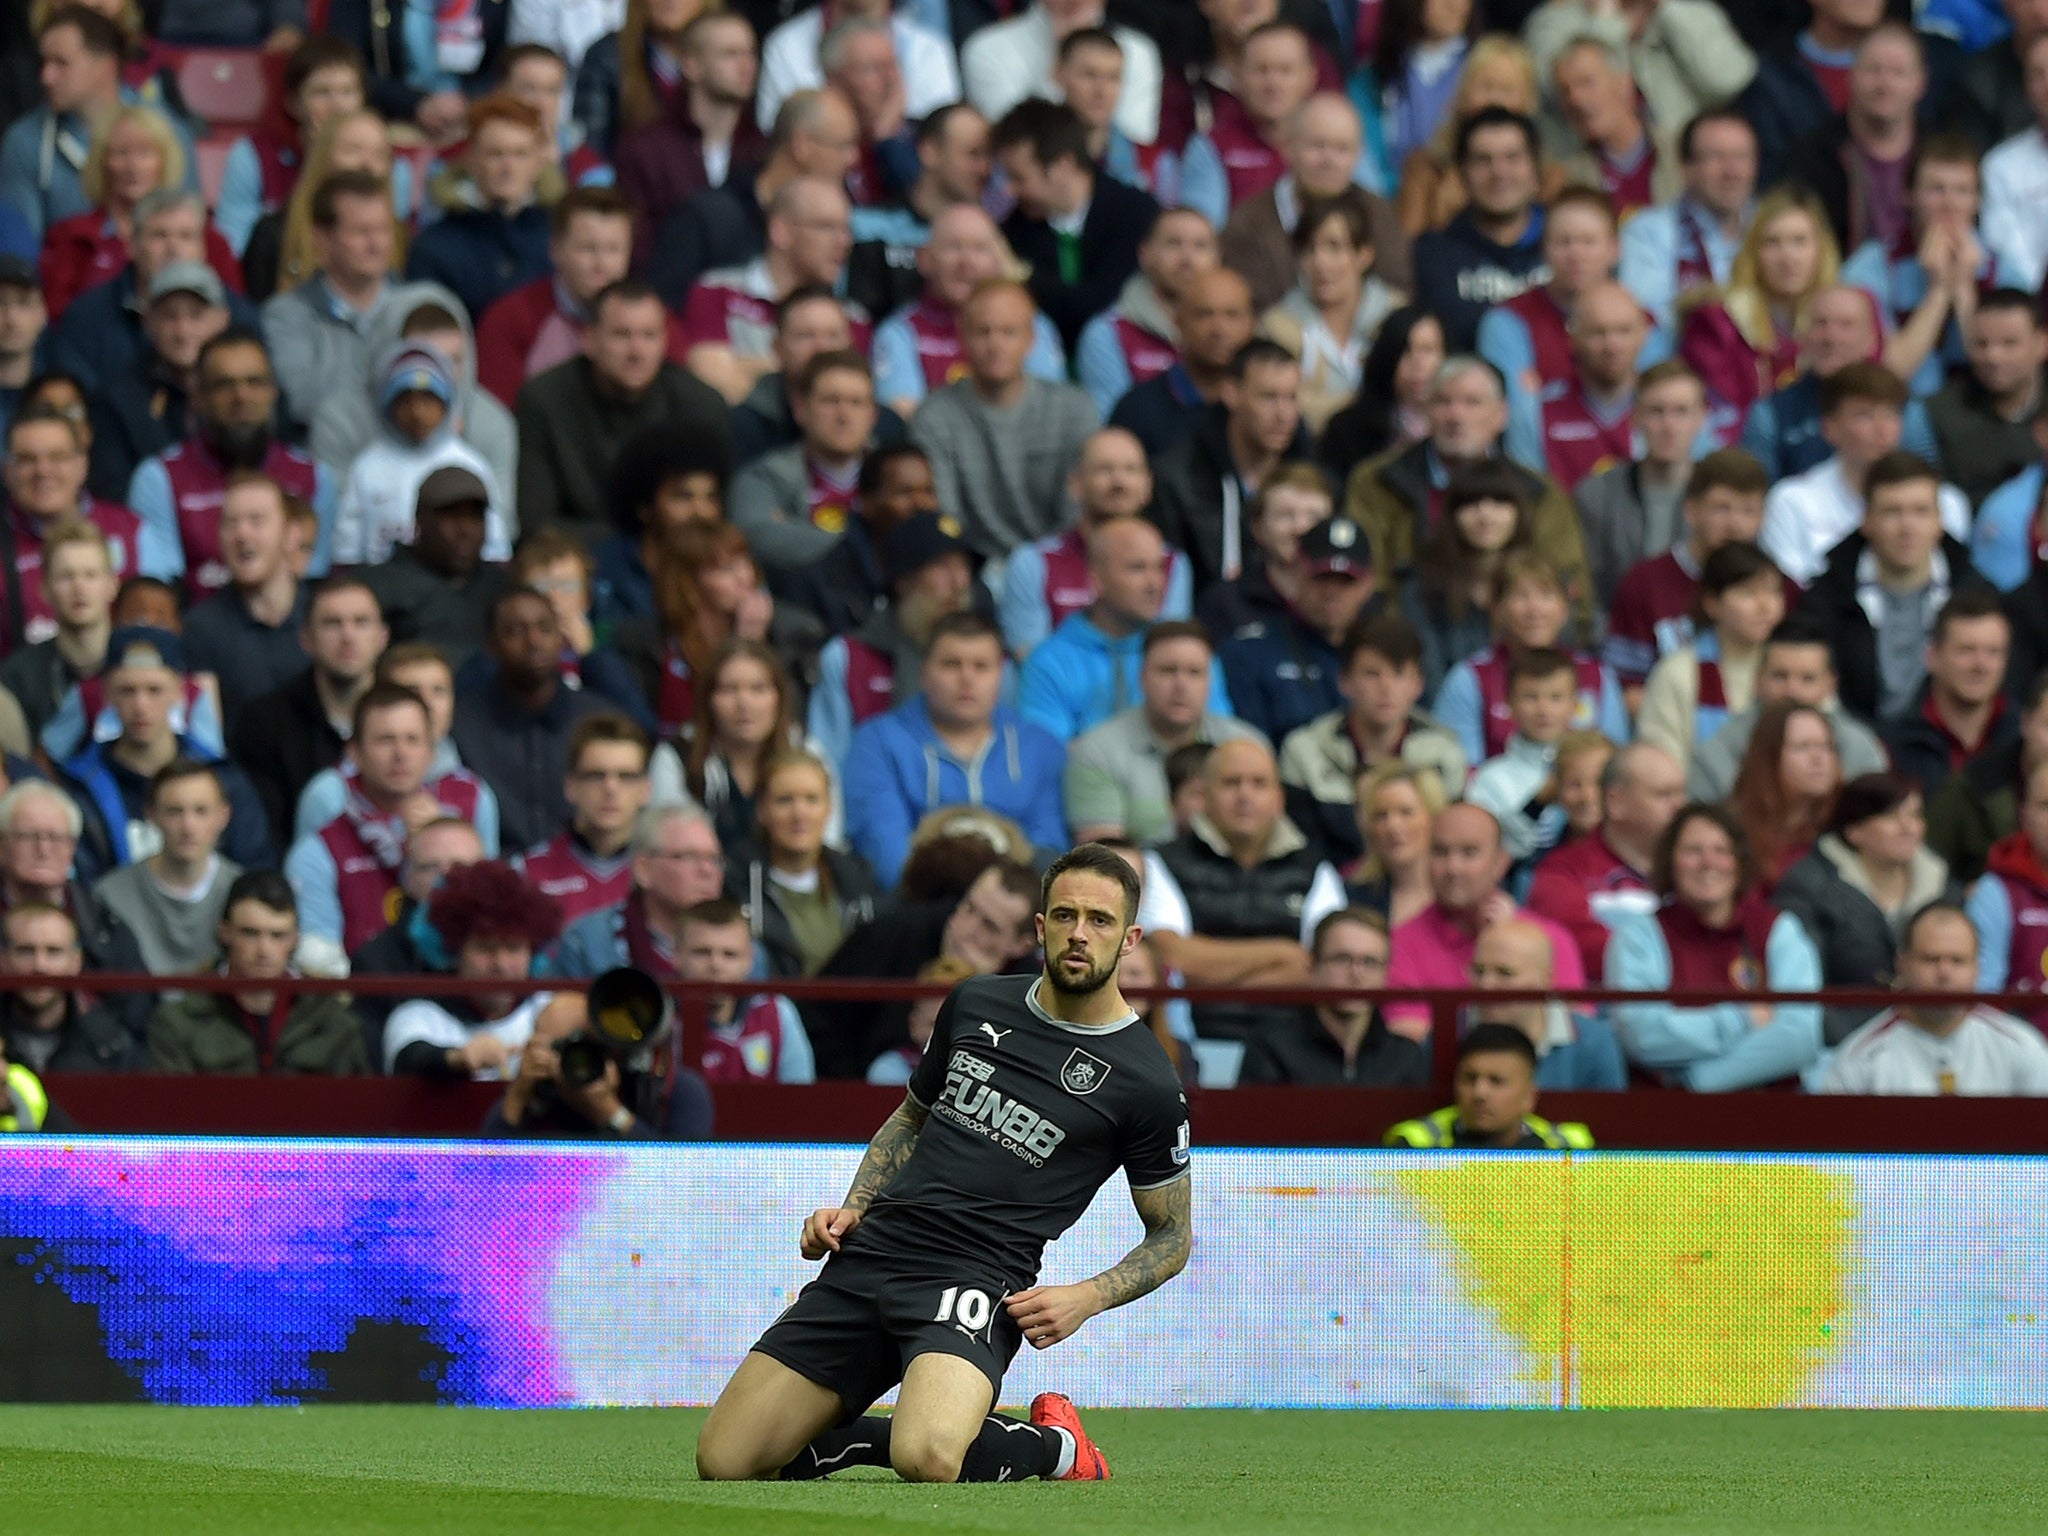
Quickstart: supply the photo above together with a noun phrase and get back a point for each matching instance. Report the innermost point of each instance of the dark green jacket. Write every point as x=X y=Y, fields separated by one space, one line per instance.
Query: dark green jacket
x=210 y=1034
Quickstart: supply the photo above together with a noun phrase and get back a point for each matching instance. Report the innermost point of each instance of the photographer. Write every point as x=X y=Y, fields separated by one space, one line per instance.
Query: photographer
x=540 y=1102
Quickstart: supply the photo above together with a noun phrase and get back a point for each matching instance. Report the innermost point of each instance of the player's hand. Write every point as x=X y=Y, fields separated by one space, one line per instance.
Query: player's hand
x=825 y=1229
x=1049 y=1314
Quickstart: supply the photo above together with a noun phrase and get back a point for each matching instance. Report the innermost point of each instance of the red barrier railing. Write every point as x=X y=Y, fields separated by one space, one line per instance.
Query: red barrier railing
x=1639 y=1118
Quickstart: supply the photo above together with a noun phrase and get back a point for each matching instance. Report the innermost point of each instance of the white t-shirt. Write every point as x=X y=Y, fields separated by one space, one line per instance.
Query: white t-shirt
x=1991 y=1055
x=1806 y=516
x=422 y=1022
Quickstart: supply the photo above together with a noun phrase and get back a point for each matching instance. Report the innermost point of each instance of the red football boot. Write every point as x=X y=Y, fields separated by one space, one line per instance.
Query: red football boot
x=1055 y=1410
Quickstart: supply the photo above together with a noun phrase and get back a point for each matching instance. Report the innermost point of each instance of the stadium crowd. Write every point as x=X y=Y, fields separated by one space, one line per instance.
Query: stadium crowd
x=1460 y=492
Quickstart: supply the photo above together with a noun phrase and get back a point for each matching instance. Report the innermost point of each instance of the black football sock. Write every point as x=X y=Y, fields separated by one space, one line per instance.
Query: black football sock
x=1008 y=1450
x=863 y=1443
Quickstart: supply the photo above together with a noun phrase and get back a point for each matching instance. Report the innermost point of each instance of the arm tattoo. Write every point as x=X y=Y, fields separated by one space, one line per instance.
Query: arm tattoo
x=886 y=1155
x=1169 y=1234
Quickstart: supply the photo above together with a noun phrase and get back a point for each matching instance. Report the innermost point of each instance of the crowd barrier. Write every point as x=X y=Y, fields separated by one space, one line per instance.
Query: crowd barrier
x=1642 y=1118
x=268 y=1272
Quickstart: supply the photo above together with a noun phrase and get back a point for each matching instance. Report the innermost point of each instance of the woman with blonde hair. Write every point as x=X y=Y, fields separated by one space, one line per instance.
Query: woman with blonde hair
x=280 y=253
x=803 y=896
x=1744 y=341
x=1398 y=805
x=135 y=152
x=1498 y=72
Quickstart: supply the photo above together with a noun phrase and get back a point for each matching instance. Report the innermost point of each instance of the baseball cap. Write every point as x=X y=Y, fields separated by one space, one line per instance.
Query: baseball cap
x=1336 y=547
x=144 y=645
x=19 y=272
x=451 y=486
x=916 y=542
x=416 y=367
x=194 y=277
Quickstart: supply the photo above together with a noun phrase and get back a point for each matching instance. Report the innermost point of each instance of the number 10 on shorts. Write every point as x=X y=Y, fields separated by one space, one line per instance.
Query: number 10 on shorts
x=967 y=1309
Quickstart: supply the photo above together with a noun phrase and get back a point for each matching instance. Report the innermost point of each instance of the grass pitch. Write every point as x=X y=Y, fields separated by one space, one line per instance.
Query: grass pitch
x=425 y=1471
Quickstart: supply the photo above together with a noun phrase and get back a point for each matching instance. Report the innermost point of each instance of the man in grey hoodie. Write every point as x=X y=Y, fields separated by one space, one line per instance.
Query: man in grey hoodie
x=348 y=420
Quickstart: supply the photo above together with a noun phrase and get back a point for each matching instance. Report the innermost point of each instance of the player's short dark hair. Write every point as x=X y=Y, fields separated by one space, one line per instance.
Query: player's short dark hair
x=592 y=202
x=2012 y=300
x=327 y=586
x=1386 y=635
x=1970 y=603
x=177 y=771
x=1094 y=859
x=627 y=290
x=846 y=360
x=604 y=729
x=1898 y=467
x=1176 y=629
x=1734 y=564
x=1088 y=37
x=1497 y=1040
x=1488 y=118
x=1359 y=917
x=1862 y=381
x=1538 y=662
x=336 y=185
x=934 y=125
x=265 y=887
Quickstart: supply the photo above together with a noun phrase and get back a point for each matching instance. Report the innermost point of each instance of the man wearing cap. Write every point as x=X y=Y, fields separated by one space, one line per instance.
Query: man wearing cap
x=1046 y=581
x=45 y=479
x=514 y=732
x=151 y=402
x=437 y=588
x=416 y=395
x=144 y=681
x=178 y=493
x=23 y=320
x=1286 y=671
x=1089 y=668
x=101 y=333
x=875 y=668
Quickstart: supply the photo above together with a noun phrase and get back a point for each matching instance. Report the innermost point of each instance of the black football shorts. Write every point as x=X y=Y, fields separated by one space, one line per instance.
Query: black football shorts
x=855 y=1329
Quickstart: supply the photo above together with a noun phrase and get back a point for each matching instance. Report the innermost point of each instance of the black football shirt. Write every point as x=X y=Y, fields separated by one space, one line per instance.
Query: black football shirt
x=1027 y=1118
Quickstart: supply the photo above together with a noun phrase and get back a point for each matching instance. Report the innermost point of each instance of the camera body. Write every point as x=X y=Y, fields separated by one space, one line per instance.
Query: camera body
x=630 y=1020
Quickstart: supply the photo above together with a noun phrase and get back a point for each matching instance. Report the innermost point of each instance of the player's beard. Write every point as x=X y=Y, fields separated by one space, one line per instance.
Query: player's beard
x=1092 y=981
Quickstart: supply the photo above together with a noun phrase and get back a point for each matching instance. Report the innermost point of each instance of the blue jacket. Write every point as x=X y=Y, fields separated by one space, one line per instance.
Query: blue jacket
x=481 y=256
x=115 y=801
x=1283 y=675
x=1716 y=1049
x=1593 y=1061
x=897 y=772
x=2002 y=542
x=1783 y=430
x=1079 y=677
x=40 y=158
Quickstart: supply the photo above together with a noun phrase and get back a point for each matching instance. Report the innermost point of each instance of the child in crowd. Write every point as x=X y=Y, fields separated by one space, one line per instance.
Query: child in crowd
x=1520 y=785
x=1582 y=759
x=416 y=395
x=1530 y=610
x=1692 y=691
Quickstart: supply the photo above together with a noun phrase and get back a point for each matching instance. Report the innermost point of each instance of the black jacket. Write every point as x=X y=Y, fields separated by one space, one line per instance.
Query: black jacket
x=721 y=227
x=1976 y=809
x=1188 y=501
x=280 y=742
x=1920 y=750
x=38 y=676
x=1460 y=274
x=1161 y=411
x=136 y=414
x=1991 y=95
x=523 y=756
x=109 y=945
x=1831 y=602
x=421 y=604
x=1979 y=449
x=1297 y=1049
x=378 y=32
x=899 y=942
x=747 y=882
x=2026 y=609
x=1119 y=218
x=89 y=1040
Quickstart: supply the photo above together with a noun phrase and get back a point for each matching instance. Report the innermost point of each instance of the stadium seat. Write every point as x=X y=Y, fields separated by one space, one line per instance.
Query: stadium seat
x=225 y=87
x=213 y=165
